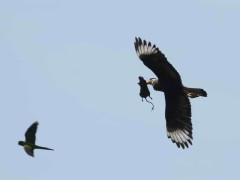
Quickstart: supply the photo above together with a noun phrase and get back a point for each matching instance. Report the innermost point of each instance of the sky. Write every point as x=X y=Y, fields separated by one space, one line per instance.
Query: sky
x=71 y=65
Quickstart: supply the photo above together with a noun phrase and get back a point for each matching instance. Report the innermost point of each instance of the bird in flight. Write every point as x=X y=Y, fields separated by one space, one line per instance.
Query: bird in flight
x=178 y=107
x=29 y=144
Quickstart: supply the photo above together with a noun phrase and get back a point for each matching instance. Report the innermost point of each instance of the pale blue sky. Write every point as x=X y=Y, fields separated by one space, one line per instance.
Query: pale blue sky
x=71 y=65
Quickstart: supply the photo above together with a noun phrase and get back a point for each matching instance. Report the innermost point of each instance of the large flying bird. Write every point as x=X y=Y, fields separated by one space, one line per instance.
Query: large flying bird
x=29 y=144
x=178 y=107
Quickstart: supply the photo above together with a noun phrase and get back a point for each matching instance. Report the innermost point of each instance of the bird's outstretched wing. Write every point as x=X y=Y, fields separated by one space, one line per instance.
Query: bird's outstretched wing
x=155 y=60
x=30 y=134
x=30 y=152
x=178 y=117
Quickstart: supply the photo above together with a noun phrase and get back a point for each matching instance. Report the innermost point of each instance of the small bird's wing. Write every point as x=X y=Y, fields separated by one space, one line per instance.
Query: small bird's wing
x=178 y=117
x=30 y=134
x=155 y=60
x=30 y=152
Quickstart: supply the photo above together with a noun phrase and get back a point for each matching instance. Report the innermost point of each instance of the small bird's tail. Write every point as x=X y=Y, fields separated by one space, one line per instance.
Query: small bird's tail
x=195 y=92
x=39 y=147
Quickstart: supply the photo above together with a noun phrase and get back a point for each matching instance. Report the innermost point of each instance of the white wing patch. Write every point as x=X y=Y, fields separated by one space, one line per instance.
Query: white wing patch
x=180 y=137
x=144 y=47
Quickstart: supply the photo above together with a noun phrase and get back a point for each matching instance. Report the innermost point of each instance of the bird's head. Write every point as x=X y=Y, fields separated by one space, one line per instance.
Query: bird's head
x=151 y=80
x=21 y=143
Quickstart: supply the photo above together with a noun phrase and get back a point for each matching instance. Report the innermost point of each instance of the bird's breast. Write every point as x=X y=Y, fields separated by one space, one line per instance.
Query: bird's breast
x=28 y=147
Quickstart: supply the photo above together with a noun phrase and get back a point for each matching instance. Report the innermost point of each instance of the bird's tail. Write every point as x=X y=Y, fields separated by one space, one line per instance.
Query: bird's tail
x=39 y=147
x=195 y=92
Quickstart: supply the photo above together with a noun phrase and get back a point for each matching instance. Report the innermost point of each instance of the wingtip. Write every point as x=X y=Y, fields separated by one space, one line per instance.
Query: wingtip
x=37 y=123
x=144 y=47
x=32 y=155
x=180 y=138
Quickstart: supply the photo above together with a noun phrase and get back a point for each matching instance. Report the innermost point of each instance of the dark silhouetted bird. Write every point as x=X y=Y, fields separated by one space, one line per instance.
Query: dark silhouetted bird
x=29 y=144
x=178 y=108
x=144 y=91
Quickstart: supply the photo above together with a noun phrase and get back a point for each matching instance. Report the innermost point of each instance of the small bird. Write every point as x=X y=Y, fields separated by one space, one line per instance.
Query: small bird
x=29 y=144
x=178 y=108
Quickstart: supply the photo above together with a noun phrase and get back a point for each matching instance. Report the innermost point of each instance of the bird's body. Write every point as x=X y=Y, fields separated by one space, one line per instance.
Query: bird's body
x=178 y=107
x=191 y=92
x=29 y=145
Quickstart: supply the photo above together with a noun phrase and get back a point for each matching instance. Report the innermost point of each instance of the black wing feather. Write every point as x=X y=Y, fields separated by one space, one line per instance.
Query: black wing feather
x=155 y=60
x=178 y=117
x=30 y=134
